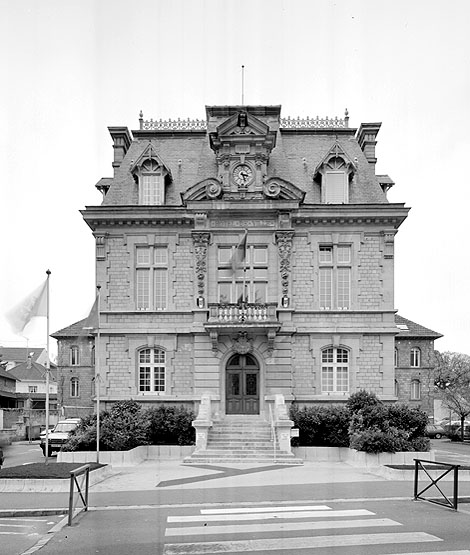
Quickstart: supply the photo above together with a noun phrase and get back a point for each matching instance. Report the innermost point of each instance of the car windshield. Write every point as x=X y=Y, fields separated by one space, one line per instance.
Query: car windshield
x=65 y=427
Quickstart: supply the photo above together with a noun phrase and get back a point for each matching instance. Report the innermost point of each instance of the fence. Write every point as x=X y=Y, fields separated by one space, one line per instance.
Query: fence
x=452 y=503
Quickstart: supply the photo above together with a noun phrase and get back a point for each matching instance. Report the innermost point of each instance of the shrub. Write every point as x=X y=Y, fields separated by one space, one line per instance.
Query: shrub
x=124 y=427
x=321 y=426
x=361 y=400
x=83 y=438
x=375 y=440
x=171 y=425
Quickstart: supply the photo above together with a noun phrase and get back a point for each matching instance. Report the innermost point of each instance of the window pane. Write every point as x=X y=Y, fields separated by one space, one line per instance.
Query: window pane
x=342 y=355
x=161 y=256
x=224 y=292
x=327 y=355
x=144 y=378
x=335 y=188
x=344 y=255
x=143 y=256
x=159 y=378
x=326 y=254
x=159 y=356
x=152 y=189
x=325 y=288
x=342 y=379
x=259 y=293
x=143 y=289
x=144 y=356
x=260 y=256
x=160 y=289
x=343 y=285
x=327 y=378
x=225 y=254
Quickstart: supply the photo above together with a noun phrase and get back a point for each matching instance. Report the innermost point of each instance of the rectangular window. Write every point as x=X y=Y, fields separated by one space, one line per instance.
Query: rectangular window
x=74 y=358
x=336 y=191
x=249 y=282
x=335 y=277
x=152 y=190
x=152 y=371
x=335 y=370
x=152 y=278
x=415 y=390
x=32 y=388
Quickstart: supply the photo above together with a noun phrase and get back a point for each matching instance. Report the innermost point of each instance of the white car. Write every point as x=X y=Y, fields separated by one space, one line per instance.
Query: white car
x=59 y=435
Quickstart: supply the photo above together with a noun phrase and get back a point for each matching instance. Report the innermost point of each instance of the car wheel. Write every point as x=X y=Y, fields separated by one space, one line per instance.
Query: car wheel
x=438 y=436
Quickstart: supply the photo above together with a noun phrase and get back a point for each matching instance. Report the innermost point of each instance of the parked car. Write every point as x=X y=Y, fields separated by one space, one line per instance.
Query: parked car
x=59 y=435
x=453 y=430
x=434 y=431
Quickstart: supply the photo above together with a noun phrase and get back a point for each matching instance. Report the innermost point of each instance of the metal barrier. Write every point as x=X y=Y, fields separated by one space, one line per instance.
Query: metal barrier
x=82 y=493
x=450 y=467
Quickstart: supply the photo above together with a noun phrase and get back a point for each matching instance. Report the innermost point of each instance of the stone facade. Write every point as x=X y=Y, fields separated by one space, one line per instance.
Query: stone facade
x=243 y=258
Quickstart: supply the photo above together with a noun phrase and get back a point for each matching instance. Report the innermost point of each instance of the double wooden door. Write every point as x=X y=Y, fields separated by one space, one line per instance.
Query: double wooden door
x=242 y=385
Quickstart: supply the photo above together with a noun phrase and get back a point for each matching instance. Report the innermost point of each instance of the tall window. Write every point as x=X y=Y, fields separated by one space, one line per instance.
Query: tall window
x=152 y=371
x=335 y=277
x=74 y=356
x=74 y=387
x=397 y=388
x=334 y=370
x=32 y=388
x=415 y=390
x=395 y=358
x=335 y=182
x=245 y=280
x=151 y=183
x=152 y=278
x=415 y=357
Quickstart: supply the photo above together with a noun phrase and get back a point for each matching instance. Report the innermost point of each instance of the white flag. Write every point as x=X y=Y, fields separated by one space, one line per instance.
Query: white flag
x=33 y=305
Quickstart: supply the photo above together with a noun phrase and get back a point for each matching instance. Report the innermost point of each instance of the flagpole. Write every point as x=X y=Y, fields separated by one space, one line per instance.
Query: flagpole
x=97 y=377
x=48 y=365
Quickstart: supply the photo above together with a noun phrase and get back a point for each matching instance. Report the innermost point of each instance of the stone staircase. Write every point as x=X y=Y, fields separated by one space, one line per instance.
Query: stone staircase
x=241 y=439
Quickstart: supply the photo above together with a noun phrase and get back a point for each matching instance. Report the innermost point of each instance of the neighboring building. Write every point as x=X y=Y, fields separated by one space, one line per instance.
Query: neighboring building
x=31 y=385
x=414 y=364
x=13 y=356
x=7 y=390
x=299 y=304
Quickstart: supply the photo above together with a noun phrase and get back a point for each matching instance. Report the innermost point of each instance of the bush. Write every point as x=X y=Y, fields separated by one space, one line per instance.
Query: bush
x=321 y=426
x=375 y=440
x=171 y=426
x=361 y=400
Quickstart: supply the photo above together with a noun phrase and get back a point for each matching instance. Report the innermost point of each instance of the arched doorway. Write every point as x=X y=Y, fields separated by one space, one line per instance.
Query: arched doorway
x=242 y=385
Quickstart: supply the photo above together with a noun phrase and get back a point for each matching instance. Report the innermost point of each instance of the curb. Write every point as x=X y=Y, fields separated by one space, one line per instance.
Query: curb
x=10 y=513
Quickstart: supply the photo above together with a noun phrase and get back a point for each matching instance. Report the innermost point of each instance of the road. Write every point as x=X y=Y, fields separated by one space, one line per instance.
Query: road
x=454 y=452
x=23 y=452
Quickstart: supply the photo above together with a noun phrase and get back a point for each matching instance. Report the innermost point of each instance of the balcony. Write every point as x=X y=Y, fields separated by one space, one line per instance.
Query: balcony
x=242 y=318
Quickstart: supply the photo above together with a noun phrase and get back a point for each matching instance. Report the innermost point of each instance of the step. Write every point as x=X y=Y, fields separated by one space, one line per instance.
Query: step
x=233 y=460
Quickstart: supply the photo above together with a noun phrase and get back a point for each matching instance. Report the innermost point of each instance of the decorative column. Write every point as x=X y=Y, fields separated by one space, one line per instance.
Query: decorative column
x=201 y=241
x=284 y=245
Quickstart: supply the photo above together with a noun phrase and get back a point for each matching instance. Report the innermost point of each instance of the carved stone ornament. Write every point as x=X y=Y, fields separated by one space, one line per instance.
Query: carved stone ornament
x=242 y=345
x=284 y=245
x=213 y=190
x=272 y=189
x=201 y=243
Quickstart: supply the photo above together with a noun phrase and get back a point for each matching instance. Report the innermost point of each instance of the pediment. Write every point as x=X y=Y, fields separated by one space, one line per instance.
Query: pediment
x=333 y=157
x=207 y=189
x=242 y=123
x=278 y=188
x=150 y=160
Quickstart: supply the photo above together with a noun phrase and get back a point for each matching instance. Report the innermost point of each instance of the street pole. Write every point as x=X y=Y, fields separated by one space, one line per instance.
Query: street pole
x=48 y=366
x=97 y=377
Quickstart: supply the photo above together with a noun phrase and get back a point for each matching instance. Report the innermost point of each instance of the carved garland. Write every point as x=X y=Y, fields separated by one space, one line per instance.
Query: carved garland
x=284 y=245
x=201 y=243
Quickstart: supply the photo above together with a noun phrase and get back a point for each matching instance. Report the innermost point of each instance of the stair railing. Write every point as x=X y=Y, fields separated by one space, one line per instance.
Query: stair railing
x=273 y=429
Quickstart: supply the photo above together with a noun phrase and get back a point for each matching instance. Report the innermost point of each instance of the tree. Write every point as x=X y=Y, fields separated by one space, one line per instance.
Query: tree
x=452 y=379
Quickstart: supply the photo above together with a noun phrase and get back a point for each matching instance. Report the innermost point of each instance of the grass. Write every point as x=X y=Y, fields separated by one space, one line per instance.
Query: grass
x=42 y=471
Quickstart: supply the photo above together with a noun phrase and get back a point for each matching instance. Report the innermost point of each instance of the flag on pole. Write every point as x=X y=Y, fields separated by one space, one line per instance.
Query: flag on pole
x=33 y=305
x=91 y=321
x=239 y=256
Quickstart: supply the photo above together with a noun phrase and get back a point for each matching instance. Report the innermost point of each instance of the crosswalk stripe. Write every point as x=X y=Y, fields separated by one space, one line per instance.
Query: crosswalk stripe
x=265 y=509
x=267 y=516
x=280 y=527
x=238 y=546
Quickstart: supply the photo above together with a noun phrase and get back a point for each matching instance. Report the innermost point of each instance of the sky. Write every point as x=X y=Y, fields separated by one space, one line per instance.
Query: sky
x=71 y=68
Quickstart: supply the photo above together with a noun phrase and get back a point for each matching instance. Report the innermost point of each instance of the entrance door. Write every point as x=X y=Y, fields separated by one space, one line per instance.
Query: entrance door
x=242 y=385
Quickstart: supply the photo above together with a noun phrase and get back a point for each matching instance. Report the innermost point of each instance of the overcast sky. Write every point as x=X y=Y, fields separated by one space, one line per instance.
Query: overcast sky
x=71 y=68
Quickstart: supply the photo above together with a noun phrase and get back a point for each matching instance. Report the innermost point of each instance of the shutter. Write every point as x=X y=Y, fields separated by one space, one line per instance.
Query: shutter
x=335 y=188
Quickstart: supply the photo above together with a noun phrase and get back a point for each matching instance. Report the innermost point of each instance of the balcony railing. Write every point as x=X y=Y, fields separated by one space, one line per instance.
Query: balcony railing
x=243 y=313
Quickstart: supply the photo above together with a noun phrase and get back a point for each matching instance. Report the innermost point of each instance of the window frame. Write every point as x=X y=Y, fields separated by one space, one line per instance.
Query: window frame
x=74 y=355
x=415 y=357
x=146 y=287
x=415 y=390
x=150 y=369
x=74 y=387
x=333 y=282
x=334 y=367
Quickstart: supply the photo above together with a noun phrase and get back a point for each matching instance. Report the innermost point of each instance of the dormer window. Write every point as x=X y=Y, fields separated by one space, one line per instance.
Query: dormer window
x=151 y=184
x=335 y=182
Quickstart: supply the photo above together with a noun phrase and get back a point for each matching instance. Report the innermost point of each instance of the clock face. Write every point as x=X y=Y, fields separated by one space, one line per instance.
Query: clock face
x=242 y=174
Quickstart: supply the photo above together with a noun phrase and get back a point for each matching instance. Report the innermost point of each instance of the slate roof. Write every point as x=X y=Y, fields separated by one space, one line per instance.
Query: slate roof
x=7 y=375
x=295 y=158
x=73 y=330
x=414 y=330
x=35 y=373
x=20 y=354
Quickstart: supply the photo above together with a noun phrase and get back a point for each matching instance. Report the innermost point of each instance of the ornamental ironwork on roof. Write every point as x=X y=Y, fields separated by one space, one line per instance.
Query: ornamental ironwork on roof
x=285 y=123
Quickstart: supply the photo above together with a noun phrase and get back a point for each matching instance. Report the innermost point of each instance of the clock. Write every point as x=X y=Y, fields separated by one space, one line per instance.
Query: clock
x=242 y=174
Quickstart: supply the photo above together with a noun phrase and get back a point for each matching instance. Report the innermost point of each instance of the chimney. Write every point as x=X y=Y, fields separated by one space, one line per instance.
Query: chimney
x=122 y=141
x=366 y=137
x=28 y=362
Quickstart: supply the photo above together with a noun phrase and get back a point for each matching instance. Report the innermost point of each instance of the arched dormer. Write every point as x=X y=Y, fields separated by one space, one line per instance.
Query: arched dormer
x=152 y=176
x=335 y=172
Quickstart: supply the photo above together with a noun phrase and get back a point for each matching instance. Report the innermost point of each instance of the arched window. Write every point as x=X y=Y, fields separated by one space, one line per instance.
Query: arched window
x=415 y=357
x=415 y=392
x=152 y=371
x=74 y=356
x=74 y=387
x=334 y=370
